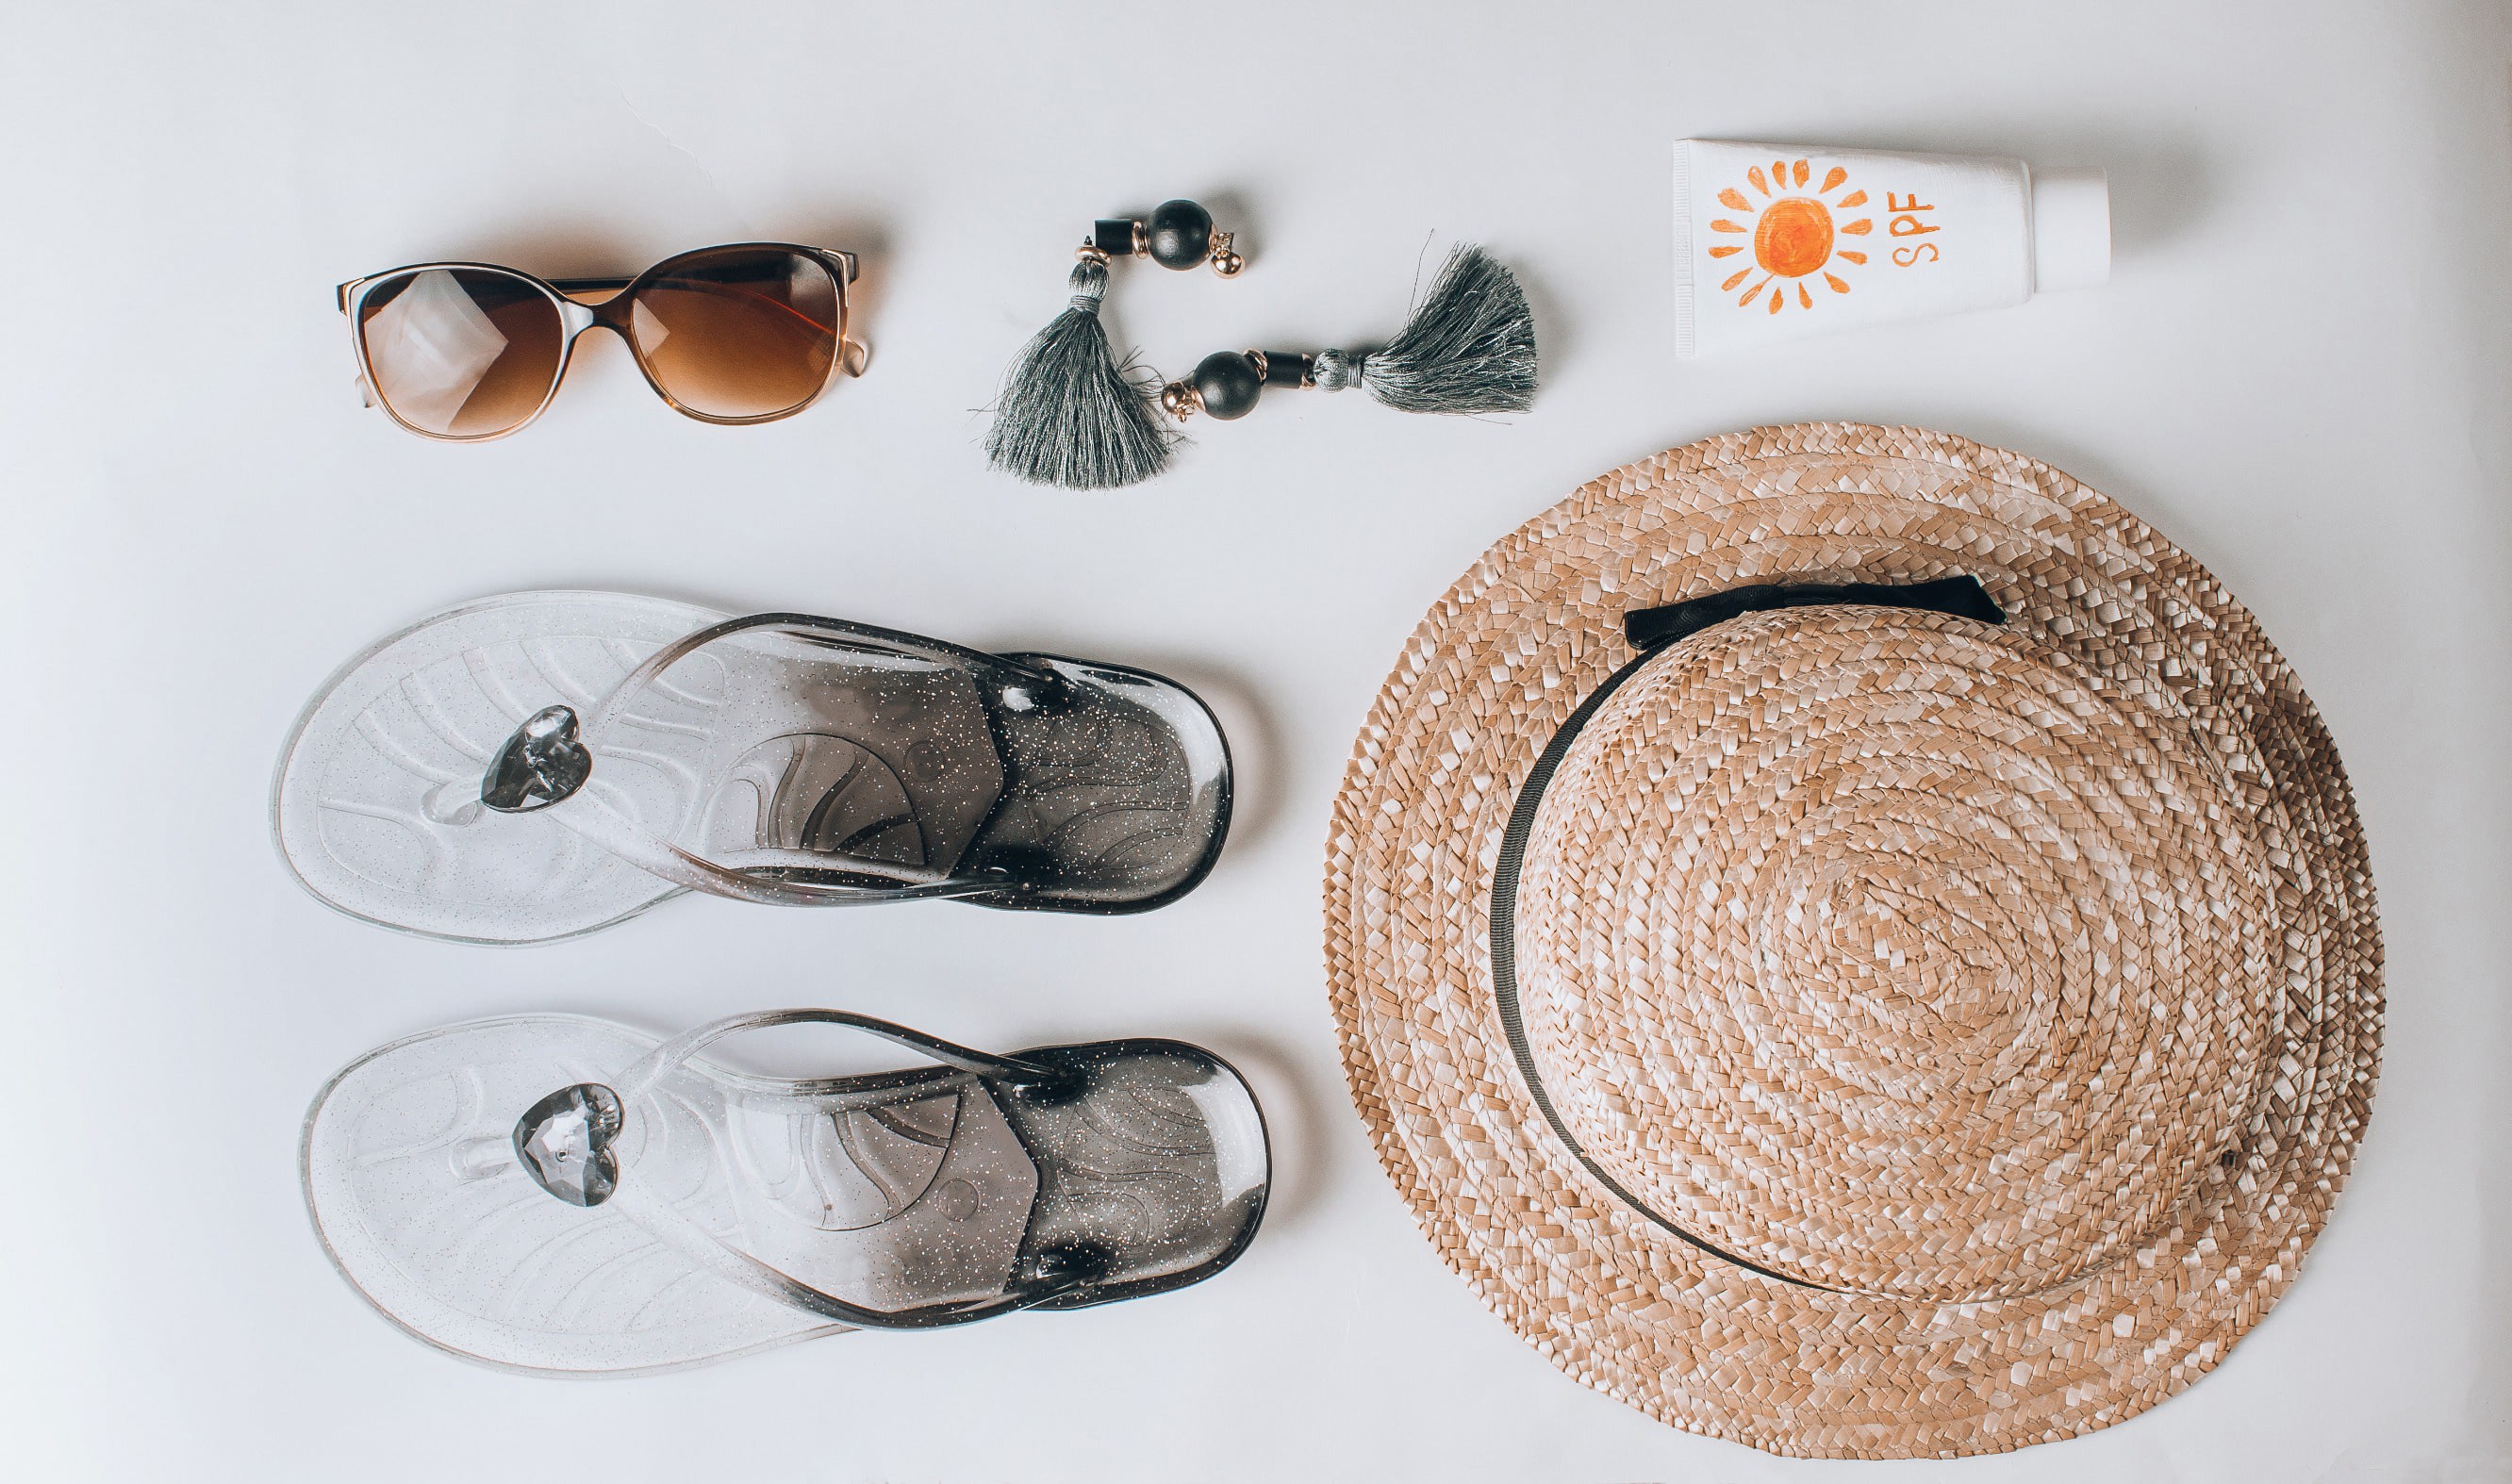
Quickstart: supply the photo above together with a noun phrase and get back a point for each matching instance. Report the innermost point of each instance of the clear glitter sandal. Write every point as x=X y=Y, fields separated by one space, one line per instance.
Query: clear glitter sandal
x=564 y=1196
x=542 y=764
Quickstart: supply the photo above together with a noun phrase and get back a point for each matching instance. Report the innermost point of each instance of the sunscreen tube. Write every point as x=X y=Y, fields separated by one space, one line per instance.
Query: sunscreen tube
x=1775 y=242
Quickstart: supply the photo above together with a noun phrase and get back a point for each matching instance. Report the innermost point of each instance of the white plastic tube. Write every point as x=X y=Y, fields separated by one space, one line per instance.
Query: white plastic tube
x=1777 y=242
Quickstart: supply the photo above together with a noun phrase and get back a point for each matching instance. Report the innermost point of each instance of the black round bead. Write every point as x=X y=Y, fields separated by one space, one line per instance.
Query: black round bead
x=1229 y=384
x=1179 y=233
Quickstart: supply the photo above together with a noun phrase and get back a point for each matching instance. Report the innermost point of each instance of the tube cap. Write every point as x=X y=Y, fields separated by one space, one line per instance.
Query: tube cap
x=2071 y=229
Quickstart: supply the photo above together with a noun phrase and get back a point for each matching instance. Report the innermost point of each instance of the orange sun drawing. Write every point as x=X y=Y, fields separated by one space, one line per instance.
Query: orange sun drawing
x=1793 y=236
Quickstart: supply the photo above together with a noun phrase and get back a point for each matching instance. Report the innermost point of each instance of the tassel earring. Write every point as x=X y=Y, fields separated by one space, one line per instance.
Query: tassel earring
x=1469 y=347
x=1070 y=413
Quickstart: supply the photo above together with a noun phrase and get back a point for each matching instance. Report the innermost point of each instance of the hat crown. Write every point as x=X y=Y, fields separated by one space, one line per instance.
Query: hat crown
x=1860 y=945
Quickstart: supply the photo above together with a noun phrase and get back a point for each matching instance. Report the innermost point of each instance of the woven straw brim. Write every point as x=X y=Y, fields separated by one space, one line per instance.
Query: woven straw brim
x=2011 y=994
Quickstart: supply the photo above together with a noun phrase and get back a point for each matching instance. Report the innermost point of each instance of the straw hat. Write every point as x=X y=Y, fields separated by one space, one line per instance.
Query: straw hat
x=1856 y=1031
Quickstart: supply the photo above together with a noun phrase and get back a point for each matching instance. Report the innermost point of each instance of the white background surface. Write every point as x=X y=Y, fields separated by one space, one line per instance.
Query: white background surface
x=2298 y=372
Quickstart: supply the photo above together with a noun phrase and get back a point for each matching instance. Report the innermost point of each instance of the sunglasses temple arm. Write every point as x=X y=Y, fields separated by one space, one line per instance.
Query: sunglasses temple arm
x=594 y=285
x=341 y=293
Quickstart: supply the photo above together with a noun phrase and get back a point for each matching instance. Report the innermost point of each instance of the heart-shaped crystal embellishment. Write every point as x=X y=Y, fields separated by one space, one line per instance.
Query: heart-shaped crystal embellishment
x=564 y=1143
x=540 y=764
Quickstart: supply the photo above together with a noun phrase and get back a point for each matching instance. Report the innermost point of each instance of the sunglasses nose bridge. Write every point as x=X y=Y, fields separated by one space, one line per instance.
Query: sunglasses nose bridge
x=610 y=314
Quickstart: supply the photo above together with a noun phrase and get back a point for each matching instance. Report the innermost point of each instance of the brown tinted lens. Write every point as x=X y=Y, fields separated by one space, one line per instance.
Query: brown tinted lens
x=459 y=352
x=738 y=331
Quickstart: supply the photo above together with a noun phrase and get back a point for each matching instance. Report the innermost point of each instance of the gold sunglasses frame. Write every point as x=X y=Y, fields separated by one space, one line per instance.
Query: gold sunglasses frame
x=575 y=317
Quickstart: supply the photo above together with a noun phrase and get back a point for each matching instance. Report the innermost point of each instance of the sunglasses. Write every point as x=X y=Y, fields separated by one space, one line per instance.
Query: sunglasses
x=747 y=333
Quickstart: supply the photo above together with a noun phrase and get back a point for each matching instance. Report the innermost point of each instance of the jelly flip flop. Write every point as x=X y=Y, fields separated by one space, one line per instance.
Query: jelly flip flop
x=542 y=764
x=562 y=1196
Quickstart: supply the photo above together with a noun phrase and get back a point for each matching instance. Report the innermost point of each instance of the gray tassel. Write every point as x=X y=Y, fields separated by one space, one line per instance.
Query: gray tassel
x=1070 y=415
x=1469 y=348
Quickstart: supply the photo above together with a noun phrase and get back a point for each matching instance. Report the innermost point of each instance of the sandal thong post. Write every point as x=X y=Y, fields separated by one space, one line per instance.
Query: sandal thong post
x=543 y=765
x=564 y=1196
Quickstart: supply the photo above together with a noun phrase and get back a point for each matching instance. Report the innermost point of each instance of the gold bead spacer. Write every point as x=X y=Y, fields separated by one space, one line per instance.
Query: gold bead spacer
x=1224 y=261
